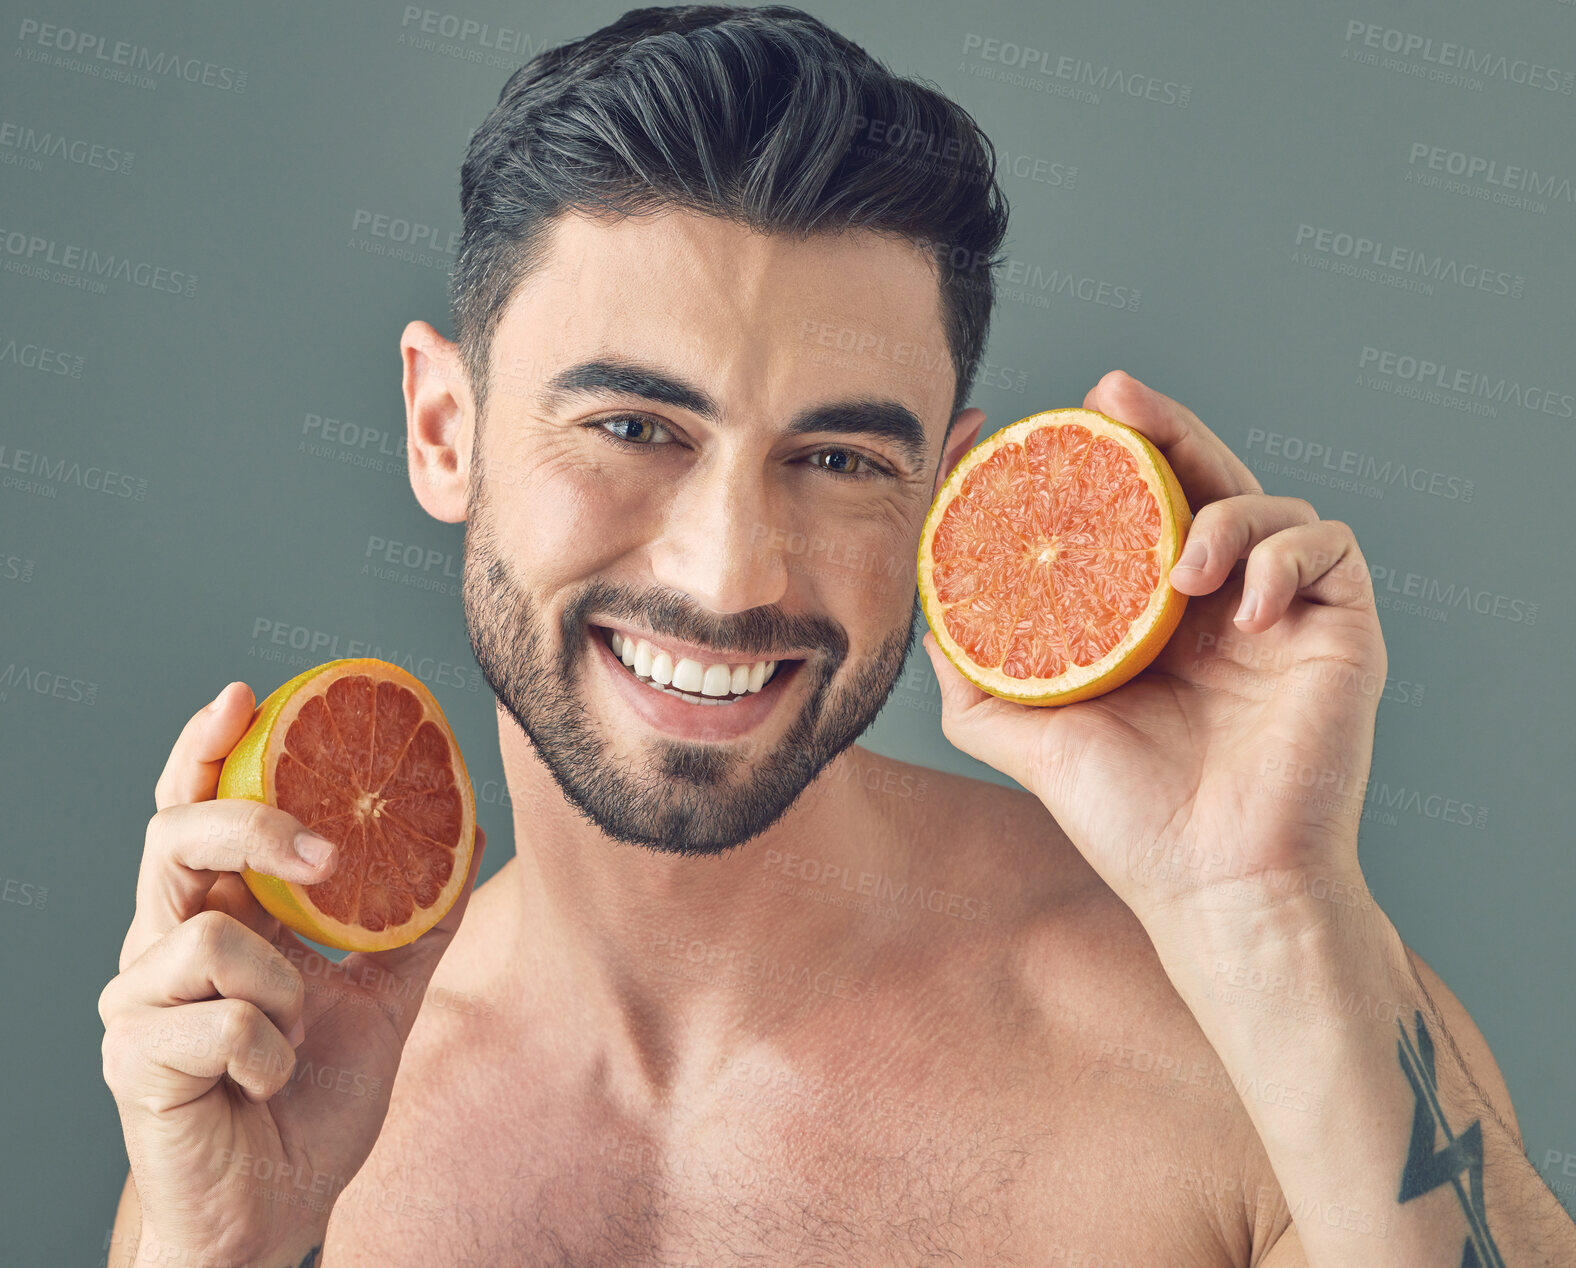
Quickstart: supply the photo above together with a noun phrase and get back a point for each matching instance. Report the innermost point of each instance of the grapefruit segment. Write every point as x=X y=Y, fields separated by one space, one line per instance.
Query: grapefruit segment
x=1044 y=561
x=359 y=751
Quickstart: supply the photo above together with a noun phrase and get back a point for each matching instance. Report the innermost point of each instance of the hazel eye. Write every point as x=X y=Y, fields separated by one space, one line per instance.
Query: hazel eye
x=631 y=428
x=848 y=464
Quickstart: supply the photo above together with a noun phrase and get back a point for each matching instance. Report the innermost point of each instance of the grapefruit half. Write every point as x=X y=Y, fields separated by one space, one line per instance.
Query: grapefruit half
x=1045 y=560
x=359 y=751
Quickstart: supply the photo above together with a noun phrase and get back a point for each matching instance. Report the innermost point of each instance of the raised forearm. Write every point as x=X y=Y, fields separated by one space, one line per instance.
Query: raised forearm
x=1386 y=1149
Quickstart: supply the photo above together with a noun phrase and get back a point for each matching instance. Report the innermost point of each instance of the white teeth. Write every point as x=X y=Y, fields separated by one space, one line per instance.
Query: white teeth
x=710 y=701
x=656 y=667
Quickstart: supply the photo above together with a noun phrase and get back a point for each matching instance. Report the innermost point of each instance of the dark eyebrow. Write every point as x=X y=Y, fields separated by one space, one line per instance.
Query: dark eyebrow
x=885 y=419
x=625 y=378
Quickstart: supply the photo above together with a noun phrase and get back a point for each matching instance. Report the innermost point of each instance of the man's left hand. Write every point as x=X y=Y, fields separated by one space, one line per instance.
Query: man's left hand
x=1236 y=764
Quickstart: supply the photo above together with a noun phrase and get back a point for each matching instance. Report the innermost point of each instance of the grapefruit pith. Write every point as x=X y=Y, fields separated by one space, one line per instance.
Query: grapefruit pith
x=359 y=751
x=1044 y=563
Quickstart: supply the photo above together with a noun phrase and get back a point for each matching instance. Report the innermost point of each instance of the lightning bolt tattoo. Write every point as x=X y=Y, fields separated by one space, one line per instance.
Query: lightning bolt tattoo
x=1427 y=1167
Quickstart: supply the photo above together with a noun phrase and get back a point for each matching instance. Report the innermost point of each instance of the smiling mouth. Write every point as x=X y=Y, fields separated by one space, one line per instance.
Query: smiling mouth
x=691 y=680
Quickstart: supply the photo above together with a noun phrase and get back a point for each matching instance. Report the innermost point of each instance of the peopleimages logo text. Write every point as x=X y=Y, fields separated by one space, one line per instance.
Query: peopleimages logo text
x=1408 y=260
x=134 y=57
x=1029 y=62
x=39 y=252
x=1512 y=176
x=452 y=26
x=29 y=141
x=94 y=479
x=1361 y=466
x=1447 y=378
x=1515 y=70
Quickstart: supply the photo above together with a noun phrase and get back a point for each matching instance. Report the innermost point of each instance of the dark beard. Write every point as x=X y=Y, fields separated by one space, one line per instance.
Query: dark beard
x=690 y=800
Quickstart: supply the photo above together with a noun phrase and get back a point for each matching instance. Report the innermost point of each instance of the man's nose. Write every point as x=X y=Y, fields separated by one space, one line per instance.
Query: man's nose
x=716 y=538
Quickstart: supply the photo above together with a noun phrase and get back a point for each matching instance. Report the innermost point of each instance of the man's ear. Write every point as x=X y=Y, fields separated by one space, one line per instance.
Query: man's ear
x=439 y=421
x=966 y=426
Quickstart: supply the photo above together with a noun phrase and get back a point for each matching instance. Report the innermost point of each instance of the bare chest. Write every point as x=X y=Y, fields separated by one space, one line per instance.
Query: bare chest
x=770 y=1166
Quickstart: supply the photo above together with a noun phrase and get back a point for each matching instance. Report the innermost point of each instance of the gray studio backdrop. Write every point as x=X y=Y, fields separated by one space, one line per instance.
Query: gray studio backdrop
x=1346 y=237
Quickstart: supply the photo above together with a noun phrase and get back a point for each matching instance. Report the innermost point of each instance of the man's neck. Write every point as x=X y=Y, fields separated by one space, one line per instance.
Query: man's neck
x=668 y=963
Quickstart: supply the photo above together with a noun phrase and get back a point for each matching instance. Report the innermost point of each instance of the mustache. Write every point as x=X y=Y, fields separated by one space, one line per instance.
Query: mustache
x=756 y=630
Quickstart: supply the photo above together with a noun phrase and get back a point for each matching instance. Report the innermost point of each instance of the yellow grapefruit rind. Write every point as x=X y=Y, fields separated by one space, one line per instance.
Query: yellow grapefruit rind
x=1147 y=634
x=248 y=772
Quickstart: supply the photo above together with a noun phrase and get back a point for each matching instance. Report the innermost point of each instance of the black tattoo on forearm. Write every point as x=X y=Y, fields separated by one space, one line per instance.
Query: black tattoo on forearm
x=1427 y=1167
x=311 y=1258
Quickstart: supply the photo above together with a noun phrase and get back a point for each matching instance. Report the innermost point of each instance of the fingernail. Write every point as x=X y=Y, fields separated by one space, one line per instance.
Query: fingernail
x=1250 y=606
x=312 y=849
x=297 y=1034
x=1195 y=556
x=214 y=703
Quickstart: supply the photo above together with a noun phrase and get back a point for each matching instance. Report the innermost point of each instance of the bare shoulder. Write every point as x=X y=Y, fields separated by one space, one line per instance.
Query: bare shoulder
x=463 y=996
x=1077 y=982
x=443 y=1098
x=1064 y=937
x=460 y=988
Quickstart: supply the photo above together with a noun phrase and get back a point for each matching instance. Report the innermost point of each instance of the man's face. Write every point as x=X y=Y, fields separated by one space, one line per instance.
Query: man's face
x=725 y=444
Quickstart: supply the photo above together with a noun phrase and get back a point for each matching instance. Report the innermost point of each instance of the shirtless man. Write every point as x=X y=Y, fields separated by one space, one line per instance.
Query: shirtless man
x=745 y=992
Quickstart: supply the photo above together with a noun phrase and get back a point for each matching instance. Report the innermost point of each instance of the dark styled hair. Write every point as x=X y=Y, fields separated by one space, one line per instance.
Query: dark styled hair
x=764 y=116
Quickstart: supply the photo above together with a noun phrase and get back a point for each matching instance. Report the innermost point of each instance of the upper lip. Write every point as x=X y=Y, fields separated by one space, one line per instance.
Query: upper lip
x=692 y=651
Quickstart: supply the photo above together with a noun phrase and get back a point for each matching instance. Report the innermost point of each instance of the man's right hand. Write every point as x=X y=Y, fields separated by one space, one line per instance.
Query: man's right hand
x=252 y=1074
